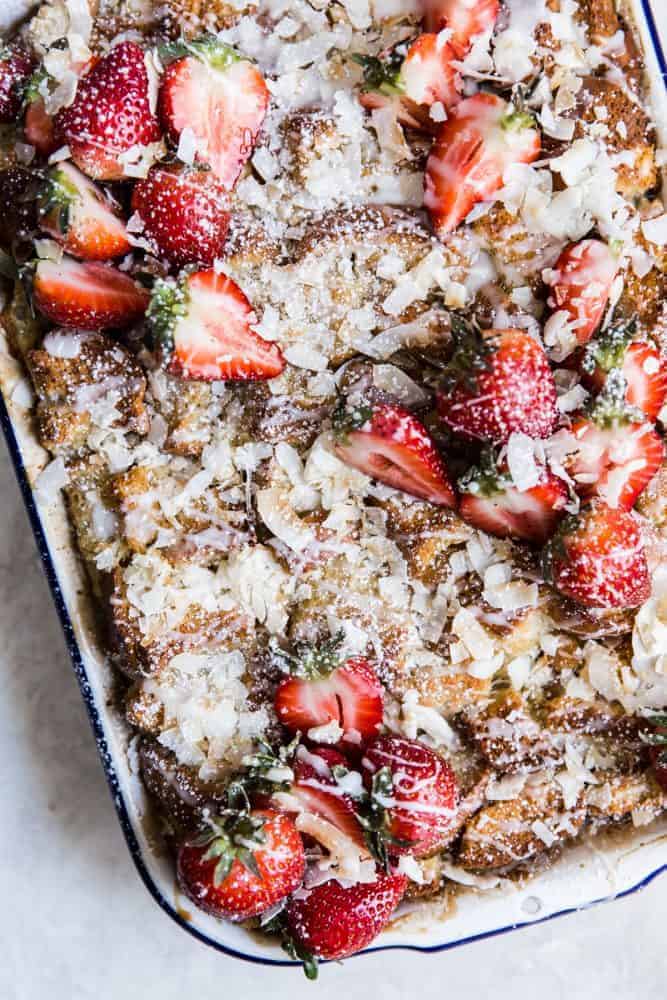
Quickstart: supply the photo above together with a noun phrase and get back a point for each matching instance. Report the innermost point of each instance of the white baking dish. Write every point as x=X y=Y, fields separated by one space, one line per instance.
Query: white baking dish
x=586 y=874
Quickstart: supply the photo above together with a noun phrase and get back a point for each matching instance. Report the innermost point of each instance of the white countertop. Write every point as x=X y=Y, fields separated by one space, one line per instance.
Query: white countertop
x=77 y=924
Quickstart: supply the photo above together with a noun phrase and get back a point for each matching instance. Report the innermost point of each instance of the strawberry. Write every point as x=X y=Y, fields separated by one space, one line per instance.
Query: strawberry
x=597 y=558
x=80 y=216
x=413 y=77
x=482 y=137
x=18 y=219
x=202 y=325
x=87 y=295
x=38 y=128
x=617 y=452
x=388 y=443
x=221 y=97
x=497 y=384
x=185 y=214
x=243 y=864
x=317 y=790
x=641 y=363
x=490 y=501
x=464 y=18
x=581 y=283
x=415 y=794
x=110 y=114
x=332 y=921
x=16 y=66
x=322 y=688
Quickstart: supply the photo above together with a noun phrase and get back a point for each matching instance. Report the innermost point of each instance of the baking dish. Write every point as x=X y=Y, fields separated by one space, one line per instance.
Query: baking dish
x=584 y=876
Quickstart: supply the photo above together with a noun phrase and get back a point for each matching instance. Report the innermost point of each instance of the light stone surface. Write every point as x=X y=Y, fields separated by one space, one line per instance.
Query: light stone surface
x=77 y=924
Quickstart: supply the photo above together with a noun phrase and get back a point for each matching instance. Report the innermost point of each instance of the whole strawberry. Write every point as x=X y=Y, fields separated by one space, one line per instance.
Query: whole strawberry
x=332 y=921
x=414 y=796
x=110 y=114
x=184 y=213
x=243 y=864
x=16 y=65
x=498 y=384
x=597 y=558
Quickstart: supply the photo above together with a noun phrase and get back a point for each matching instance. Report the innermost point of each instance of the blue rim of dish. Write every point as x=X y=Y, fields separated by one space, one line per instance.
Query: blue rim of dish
x=107 y=758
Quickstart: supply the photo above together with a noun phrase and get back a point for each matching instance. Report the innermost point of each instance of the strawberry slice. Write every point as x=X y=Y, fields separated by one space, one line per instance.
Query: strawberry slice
x=110 y=114
x=16 y=66
x=202 y=326
x=222 y=97
x=318 y=792
x=464 y=18
x=580 y=285
x=415 y=793
x=597 y=558
x=80 y=216
x=640 y=362
x=39 y=129
x=185 y=213
x=87 y=295
x=491 y=501
x=242 y=864
x=388 y=443
x=331 y=921
x=616 y=452
x=473 y=149
x=323 y=689
x=412 y=77
x=497 y=384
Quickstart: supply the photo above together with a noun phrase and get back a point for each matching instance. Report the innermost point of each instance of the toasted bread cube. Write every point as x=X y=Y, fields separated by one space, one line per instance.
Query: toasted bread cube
x=92 y=379
x=506 y=833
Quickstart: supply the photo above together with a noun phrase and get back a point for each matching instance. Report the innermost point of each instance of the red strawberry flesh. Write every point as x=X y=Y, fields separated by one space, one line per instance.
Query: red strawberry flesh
x=87 y=295
x=223 y=100
x=395 y=448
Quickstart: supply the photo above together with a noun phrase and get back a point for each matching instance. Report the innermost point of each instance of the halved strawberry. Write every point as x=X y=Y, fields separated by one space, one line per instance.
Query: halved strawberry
x=16 y=66
x=185 y=214
x=39 y=129
x=464 y=18
x=491 y=501
x=496 y=384
x=580 y=284
x=80 y=216
x=413 y=77
x=388 y=443
x=202 y=326
x=641 y=363
x=323 y=688
x=110 y=114
x=482 y=137
x=415 y=793
x=331 y=921
x=317 y=791
x=617 y=452
x=597 y=558
x=87 y=295
x=242 y=864
x=222 y=97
